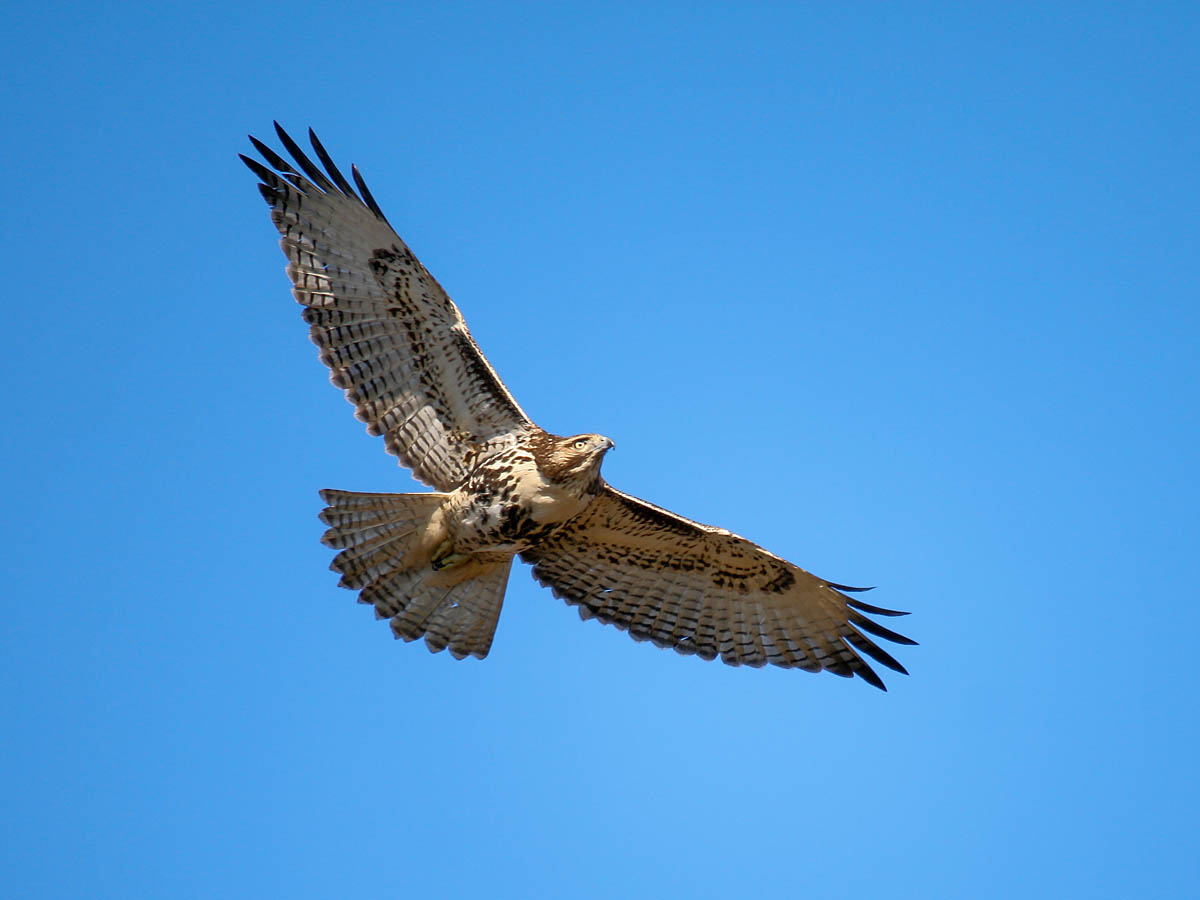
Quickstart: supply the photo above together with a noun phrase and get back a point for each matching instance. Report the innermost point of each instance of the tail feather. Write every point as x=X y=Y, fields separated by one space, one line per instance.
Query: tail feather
x=423 y=600
x=464 y=618
x=355 y=518
x=387 y=542
x=360 y=564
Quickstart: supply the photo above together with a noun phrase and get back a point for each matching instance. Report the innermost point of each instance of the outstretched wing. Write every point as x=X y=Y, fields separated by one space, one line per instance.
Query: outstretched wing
x=394 y=340
x=706 y=591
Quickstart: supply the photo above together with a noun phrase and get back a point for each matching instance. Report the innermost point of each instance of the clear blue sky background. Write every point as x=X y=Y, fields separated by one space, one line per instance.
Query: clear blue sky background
x=906 y=292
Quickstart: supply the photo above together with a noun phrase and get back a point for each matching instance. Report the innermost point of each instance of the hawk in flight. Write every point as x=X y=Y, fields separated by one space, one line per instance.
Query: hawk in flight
x=436 y=563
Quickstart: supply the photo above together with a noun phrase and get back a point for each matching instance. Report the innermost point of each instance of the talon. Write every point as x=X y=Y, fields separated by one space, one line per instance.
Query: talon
x=445 y=558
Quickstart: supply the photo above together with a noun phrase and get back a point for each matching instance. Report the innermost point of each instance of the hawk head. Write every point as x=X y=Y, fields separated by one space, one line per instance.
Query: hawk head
x=573 y=459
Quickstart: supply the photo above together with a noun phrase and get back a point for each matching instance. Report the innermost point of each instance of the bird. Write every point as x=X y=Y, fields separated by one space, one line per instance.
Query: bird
x=436 y=563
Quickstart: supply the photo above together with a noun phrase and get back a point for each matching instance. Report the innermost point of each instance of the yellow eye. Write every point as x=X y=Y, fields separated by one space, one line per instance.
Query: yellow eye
x=580 y=444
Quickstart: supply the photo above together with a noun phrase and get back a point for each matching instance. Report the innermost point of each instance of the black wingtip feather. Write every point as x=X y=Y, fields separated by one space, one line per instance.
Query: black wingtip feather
x=879 y=631
x=867 y=674
x=877 y=653
x=850 y=640
x=338 y=178
x=874 y=610
x=846 y=587
x=272 y=157
x=264 y=174
x=310 y=168
x=366 y=193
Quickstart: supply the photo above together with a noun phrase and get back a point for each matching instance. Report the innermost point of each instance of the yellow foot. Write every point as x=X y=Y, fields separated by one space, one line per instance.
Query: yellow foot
x=443 y=558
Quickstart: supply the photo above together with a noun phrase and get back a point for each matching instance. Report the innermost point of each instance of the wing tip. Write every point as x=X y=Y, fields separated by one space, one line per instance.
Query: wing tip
x=330 y=180
x=330 y=167
x=867 y=674
x=367 y=198
x=846 y=587
x=873 y=610
x=873 y=627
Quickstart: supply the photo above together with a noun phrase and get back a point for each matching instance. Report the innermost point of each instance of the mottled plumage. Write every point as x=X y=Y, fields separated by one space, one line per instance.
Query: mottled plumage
x=436 y=564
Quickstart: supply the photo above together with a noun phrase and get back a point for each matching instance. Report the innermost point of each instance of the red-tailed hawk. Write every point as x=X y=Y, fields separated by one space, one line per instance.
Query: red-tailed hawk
x=436 y=564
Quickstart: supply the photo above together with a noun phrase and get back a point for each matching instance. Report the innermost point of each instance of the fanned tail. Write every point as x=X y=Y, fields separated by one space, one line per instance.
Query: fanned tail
x=387 y=543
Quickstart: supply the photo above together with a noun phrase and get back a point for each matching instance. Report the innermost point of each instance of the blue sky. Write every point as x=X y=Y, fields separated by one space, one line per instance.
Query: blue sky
x=905 y=292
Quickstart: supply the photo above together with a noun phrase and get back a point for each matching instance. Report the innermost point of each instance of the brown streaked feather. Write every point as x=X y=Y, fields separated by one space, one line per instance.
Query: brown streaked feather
x=704 y=590
x=392 y=337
